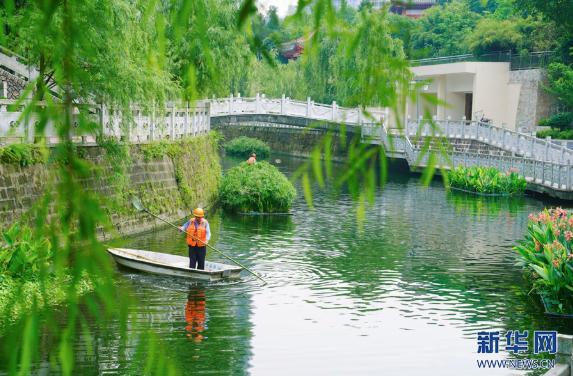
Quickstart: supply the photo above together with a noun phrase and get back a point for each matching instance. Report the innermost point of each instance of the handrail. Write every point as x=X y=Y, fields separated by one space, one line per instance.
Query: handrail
x=530 y=60
x=540 y=160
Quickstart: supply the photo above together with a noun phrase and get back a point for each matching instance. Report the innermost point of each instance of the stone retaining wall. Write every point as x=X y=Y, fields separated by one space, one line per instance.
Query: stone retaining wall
x=534 y=101
x=159 y=183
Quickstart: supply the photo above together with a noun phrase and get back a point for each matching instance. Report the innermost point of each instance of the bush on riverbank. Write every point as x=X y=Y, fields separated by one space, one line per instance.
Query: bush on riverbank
x=244 y=146
x=546 y=255
x=260 y=187
x=23 y=154
x=486 y=180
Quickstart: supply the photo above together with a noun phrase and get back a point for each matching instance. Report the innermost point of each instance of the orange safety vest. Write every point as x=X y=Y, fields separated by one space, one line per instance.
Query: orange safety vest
x=197 y=235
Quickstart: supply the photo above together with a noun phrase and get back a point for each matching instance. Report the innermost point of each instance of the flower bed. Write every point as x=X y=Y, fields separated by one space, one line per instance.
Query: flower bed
x=259 y=187
x=244 y=146
x=486 y=181
x=547 y=259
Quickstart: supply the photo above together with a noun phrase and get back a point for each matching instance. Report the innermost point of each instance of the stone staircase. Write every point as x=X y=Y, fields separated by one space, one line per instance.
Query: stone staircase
x=462 y=145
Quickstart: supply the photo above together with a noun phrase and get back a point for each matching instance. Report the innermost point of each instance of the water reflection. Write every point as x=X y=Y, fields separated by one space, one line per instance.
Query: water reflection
x=426 y=270
x=195 y=314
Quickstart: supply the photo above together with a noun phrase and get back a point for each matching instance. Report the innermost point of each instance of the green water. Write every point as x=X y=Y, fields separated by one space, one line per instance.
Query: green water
x=405 y=293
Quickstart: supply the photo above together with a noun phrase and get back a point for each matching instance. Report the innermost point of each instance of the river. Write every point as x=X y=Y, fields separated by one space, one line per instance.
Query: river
x=404 y=292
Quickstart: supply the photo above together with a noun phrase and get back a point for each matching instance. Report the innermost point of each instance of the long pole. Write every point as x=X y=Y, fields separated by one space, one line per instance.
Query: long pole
x=210 y=246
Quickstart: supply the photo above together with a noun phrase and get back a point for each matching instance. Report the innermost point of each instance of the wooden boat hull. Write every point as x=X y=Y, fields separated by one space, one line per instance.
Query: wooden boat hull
x=171 y=265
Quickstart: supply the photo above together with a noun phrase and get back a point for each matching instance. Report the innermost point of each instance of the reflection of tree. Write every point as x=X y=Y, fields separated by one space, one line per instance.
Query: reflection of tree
x=435 y=254
x=479 y=205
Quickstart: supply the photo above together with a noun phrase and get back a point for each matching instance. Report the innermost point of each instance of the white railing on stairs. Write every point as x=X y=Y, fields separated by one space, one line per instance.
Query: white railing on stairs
x=515 y=142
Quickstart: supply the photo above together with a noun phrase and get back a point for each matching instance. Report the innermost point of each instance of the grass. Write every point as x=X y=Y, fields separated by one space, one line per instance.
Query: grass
x=487 y=180
x=243 y=147
x=260 y=187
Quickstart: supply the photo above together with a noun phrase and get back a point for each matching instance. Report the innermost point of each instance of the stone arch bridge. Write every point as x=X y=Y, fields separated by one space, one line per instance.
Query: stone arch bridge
x=546 y=166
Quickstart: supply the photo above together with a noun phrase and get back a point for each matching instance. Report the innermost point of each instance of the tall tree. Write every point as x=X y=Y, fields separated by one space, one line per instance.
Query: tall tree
x=442 y=29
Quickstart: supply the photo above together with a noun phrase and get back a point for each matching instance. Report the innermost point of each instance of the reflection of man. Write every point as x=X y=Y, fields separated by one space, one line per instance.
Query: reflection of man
x=195 y=314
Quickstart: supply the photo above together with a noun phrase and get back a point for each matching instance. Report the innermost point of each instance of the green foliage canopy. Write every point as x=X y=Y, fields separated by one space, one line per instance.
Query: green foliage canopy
x=442 y=30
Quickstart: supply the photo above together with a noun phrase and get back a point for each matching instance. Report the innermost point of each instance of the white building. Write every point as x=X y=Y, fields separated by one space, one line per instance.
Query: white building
x=476 y=90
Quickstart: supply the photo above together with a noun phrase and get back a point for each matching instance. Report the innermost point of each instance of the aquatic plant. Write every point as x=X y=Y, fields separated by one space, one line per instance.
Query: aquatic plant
x=546 y=255
x=487 y=180
x=244 y=146
x=260 y=187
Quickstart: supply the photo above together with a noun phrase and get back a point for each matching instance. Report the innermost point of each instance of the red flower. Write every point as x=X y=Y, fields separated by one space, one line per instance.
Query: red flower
x=556 y=263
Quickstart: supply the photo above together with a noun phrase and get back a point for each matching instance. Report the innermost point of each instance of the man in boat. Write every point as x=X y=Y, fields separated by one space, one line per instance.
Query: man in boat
x=198 y=235
x=252 y=159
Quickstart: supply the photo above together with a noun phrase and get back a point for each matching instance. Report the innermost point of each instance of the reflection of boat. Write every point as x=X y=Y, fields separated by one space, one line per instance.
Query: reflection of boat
x=173 y=265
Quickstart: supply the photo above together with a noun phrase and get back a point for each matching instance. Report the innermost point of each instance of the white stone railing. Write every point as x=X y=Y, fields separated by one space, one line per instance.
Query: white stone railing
x=547 y=173
x=539 y=161
x=517 y=143
x=144 y=124
x=260 y=105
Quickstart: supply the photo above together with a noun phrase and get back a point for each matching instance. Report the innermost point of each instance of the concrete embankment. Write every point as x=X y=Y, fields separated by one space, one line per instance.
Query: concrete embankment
x=170 y=181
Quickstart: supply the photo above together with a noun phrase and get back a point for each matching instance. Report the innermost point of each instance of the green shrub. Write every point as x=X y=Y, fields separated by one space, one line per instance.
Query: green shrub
x=556 y=134
x=22 y=254
x=23 y=154
x=486 y=180
x=561 y=121
x=259 y=187
x=546 y=255
x=244 y=146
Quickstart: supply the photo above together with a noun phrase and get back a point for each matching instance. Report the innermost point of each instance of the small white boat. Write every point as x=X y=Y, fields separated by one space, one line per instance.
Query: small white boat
x=172 y=265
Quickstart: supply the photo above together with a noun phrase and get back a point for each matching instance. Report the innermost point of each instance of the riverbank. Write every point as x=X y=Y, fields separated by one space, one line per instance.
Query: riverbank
x=169 y=177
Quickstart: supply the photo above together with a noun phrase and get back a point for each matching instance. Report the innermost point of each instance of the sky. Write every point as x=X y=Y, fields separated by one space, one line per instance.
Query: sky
x=282 y=5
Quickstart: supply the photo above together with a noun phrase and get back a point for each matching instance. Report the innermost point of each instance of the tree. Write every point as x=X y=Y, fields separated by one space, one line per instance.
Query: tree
x=492 y=35
x=560 y=77
x=442 y=29
x=483 y=6
x=403 y=28
x=210 y=57
x=560 y=11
